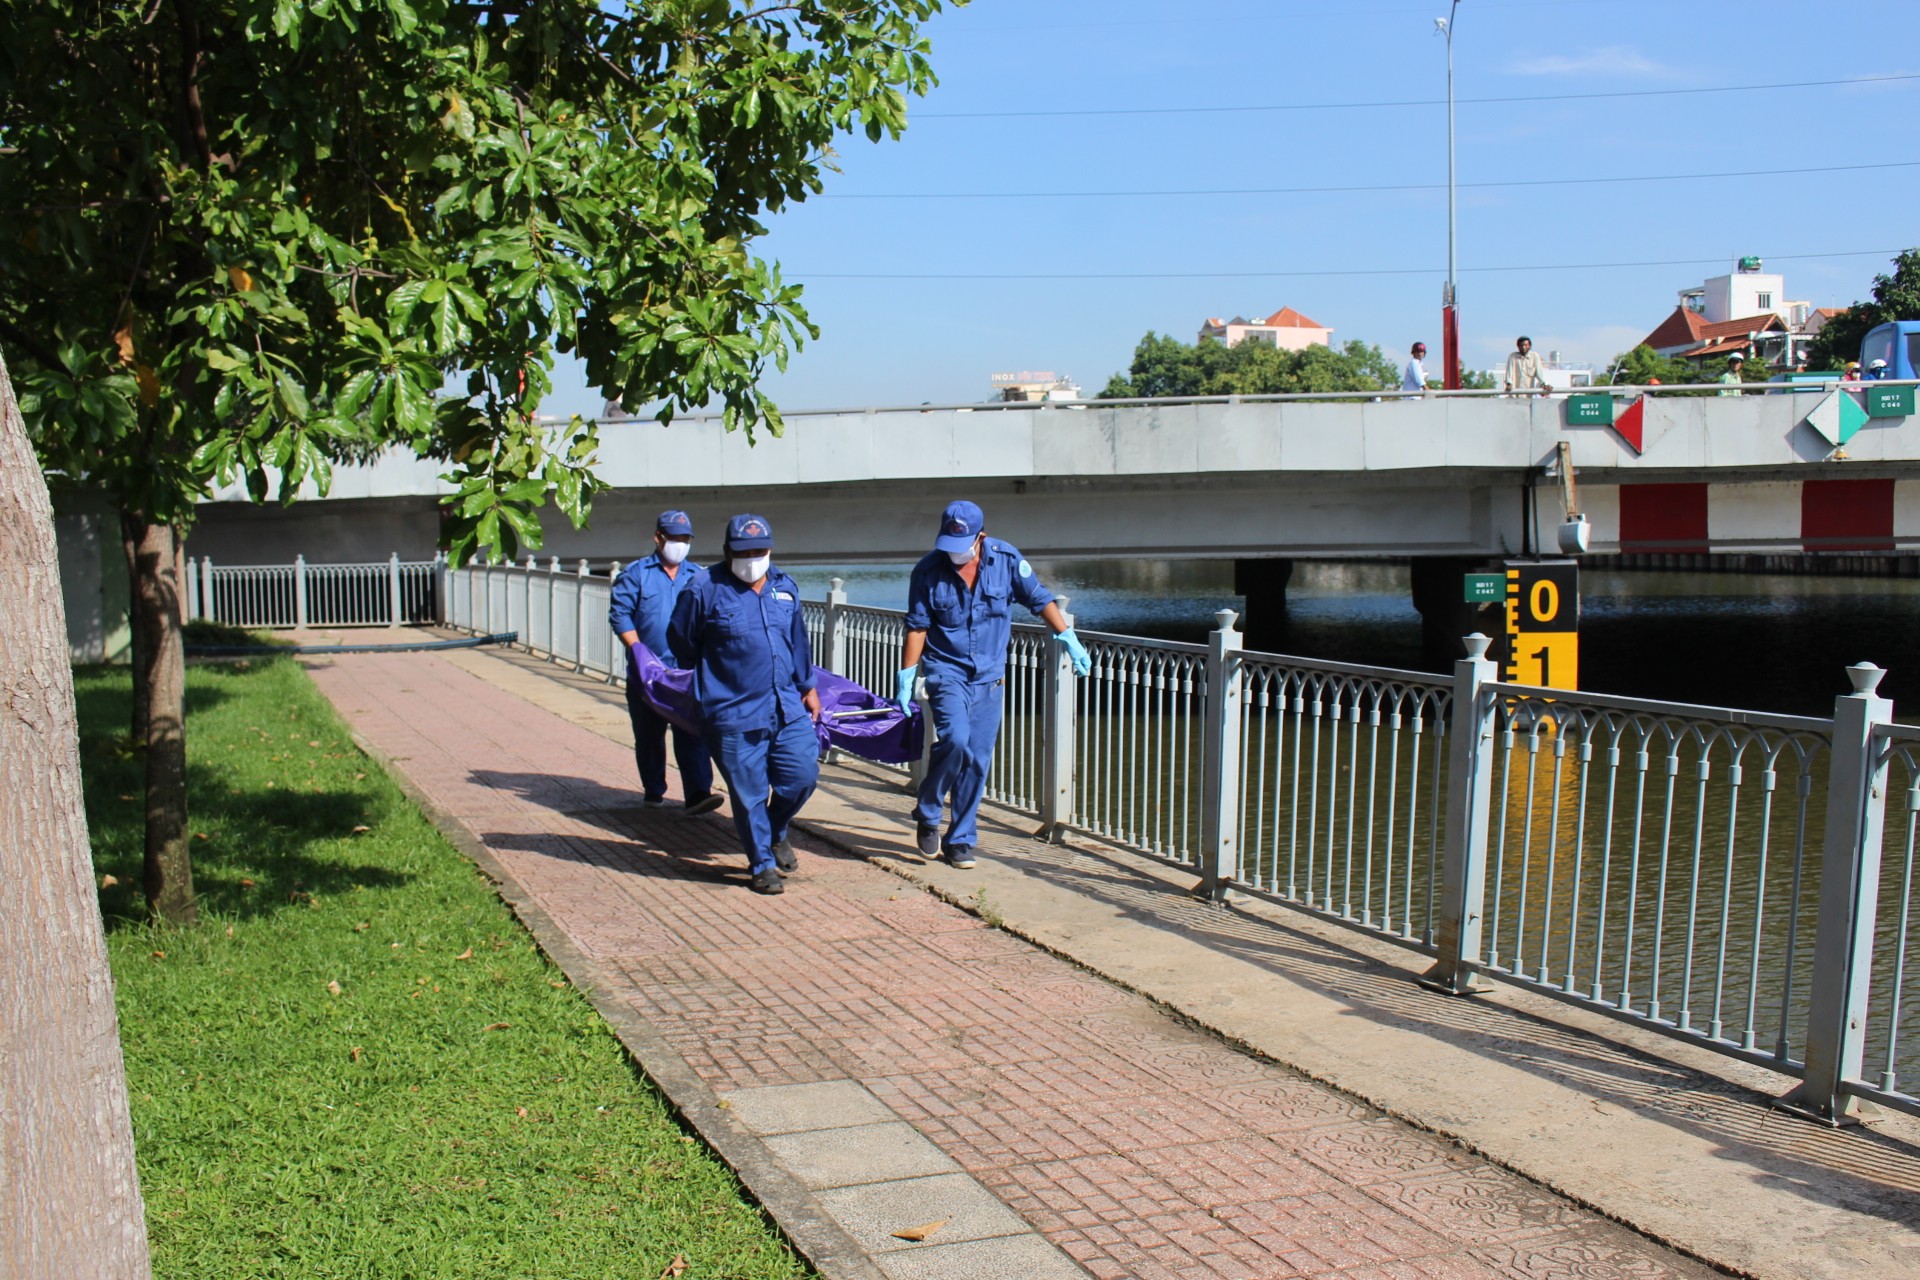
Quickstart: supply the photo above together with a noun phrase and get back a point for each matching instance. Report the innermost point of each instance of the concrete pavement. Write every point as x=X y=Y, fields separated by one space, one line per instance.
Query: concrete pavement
x=874 y=1060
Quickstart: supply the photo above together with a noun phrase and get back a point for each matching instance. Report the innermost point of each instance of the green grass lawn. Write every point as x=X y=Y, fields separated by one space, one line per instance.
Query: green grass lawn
x=358 y=1064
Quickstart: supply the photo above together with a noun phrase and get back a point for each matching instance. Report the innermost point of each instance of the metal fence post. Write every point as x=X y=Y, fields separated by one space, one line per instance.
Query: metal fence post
x=1219 y=852
x=833 y=641
x=580 y=617
x=1849 y=897
x=1469 y=798
x=208 y=609
x=526 y=610
x=1058 y=713
x=393 y=581
x=443 y=589
x=300 y=591
x=616 y=669
x=553 y=597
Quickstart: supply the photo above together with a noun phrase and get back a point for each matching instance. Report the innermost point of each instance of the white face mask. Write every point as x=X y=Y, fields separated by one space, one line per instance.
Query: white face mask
x=961 y=557
x=672 y=552
x=750 y=569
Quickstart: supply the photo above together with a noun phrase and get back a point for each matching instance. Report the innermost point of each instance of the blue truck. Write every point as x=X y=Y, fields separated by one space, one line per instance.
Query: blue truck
x=1898 y=343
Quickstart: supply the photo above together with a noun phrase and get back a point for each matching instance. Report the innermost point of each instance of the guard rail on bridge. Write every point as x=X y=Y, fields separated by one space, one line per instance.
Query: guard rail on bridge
x=1712 y=874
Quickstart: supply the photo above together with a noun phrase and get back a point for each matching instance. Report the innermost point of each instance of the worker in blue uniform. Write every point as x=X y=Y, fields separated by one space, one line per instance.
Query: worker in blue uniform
x=643 y=600
x=740 y=630
x=959 y=625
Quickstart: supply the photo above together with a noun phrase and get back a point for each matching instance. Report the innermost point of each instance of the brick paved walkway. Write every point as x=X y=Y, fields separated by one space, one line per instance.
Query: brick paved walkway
x=1137 y=1146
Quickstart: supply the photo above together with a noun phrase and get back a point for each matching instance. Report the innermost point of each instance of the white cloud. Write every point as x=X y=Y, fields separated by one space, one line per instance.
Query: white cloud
x=1607 y=60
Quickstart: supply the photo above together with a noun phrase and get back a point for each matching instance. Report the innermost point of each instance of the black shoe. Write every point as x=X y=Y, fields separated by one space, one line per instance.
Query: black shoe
x=705 y=804
x=961 y=856
x=654 y=802
x=768 y=881
x=783 y=860
x=927 y=840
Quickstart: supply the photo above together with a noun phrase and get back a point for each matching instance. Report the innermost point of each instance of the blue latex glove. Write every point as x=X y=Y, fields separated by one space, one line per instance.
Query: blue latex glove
x=1082 y=660
x=903 y=688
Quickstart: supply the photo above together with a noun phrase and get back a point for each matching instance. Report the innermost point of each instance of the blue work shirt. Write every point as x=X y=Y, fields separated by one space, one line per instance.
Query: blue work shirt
x=968 y=631
x=747 y=649
x=643 y=598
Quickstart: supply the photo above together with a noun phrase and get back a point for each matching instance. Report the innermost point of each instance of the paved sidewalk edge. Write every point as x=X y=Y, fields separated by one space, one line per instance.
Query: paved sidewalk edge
x=912 y=873
x=794 y=1211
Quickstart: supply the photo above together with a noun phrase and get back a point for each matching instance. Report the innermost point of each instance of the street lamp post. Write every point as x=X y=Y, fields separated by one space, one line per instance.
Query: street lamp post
x=1450 y=302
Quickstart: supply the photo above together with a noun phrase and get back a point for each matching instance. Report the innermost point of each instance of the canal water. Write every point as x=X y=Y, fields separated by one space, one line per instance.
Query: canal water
x=1759 y=641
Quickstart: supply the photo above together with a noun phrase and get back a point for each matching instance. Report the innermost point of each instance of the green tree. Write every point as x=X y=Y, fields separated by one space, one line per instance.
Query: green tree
x=251 y=237
x=1165 y=366
x=1895 y=297
x=1643 y=365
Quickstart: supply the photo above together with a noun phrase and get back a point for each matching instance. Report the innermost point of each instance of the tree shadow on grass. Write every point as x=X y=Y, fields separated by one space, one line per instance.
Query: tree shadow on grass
x=263 y=852
x=256 y=850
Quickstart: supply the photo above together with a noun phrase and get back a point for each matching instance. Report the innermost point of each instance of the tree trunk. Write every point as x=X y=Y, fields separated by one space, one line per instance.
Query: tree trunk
x=130 y=526
x=157 y=600
x=69 y=1195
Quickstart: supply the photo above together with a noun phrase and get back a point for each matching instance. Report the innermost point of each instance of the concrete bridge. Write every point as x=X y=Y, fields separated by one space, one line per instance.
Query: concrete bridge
x=1455 y=476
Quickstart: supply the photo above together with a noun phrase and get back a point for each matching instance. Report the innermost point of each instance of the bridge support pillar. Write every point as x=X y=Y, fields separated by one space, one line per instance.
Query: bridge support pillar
x=1445 y=616
x=1263 y=582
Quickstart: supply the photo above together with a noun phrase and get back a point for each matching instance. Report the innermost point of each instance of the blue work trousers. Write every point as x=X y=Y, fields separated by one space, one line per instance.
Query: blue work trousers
x=770 y=773
x=966 y=718
x=650 y=752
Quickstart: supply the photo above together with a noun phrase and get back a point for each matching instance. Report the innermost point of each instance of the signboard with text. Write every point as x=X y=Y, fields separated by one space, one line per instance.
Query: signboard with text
x=1590 y=411
x=1543 y=623
x=1889 y=402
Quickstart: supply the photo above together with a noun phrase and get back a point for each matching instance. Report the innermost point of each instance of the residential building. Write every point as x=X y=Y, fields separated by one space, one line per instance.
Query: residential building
x=1745 y=311
x=1286 y=329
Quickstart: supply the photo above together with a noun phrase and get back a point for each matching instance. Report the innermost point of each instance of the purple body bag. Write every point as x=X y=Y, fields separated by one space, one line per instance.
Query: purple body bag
x=852 y=718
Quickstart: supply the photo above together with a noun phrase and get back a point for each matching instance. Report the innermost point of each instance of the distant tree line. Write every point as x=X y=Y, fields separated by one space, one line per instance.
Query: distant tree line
x=1166 y=366
x=1895 y=297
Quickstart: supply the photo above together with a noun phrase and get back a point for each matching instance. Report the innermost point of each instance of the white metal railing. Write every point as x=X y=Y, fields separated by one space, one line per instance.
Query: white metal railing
x=1707 y=873
x=1651 y=860
x=1340 y=791
x=389 y=593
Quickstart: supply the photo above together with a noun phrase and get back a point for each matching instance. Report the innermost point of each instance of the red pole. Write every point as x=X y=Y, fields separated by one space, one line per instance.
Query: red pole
x=1450 y=342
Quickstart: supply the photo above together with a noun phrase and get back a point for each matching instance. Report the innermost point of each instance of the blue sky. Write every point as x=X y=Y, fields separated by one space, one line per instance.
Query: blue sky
x=902 y=339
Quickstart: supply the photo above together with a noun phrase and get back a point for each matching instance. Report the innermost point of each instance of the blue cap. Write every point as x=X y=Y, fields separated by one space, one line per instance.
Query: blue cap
x=675 y=524
x=960 y=524
x=749 y=533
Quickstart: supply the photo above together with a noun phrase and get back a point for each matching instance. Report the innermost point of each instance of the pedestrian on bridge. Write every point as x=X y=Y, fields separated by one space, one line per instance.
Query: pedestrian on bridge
x=1414 y=376
x=643 y=598
x=740 y=630
x=1523 y=374
x=959 y=626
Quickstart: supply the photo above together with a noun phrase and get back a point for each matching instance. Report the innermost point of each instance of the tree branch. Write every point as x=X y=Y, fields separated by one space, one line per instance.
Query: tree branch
x=32 y=346
x=192 y=58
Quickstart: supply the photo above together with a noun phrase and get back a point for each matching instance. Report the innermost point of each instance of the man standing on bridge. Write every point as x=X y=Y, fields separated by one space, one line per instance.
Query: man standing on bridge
x=740 y=630
x=959 y=626
x=1523 y=375
x=643 y=600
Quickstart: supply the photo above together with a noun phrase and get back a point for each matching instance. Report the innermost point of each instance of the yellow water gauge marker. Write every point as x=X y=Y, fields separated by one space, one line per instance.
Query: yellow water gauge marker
x=1543 y=623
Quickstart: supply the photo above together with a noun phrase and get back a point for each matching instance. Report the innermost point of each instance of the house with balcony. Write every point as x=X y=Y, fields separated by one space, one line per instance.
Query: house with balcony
x=1286 y=329
x=1745 y=311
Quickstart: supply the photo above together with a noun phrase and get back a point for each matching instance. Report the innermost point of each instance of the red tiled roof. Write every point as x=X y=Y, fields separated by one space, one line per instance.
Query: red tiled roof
x=1726 y=346
x=1685 y=328
x=1679 y=329
x=1829 y=312
x=1288 y=318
